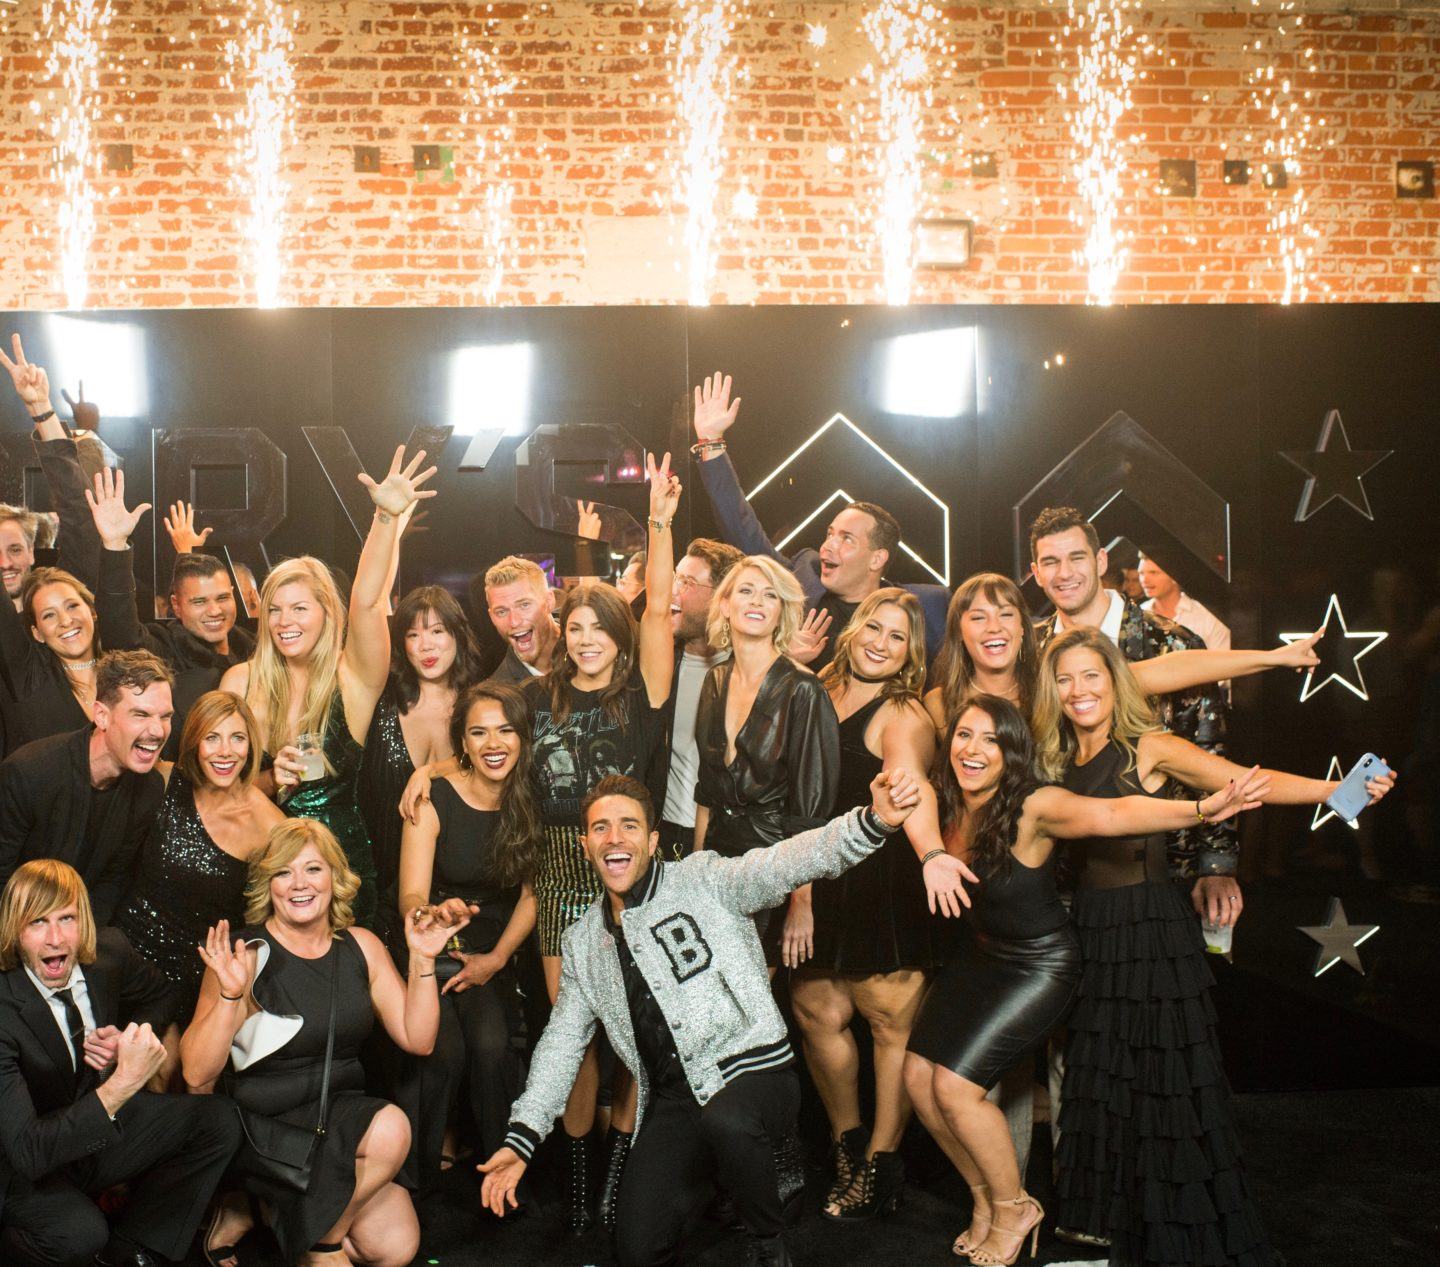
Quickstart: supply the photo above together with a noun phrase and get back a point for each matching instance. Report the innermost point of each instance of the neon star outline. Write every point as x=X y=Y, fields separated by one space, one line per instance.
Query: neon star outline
x=1376 y=637
x=1319 y=820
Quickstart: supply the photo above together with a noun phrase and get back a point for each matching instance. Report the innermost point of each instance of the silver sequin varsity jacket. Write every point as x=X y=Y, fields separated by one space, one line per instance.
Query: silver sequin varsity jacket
x=694 y=942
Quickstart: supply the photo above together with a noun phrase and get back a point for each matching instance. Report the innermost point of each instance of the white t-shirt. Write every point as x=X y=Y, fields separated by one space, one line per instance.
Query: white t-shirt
x=684 y=751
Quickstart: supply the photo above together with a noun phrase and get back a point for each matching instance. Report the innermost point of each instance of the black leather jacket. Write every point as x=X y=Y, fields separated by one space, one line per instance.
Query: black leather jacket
x=787 y=759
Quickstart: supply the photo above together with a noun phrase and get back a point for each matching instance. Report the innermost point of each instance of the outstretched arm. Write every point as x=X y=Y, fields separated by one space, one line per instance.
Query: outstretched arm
x=32 y=385
x=1204 y=771
x=1180 y=670
x=657 y=645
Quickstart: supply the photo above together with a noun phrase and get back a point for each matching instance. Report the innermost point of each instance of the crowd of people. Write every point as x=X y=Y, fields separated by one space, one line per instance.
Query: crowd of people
x=274 y=895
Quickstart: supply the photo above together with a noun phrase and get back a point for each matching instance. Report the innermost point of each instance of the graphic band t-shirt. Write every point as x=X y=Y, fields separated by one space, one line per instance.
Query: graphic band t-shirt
x=573 y=753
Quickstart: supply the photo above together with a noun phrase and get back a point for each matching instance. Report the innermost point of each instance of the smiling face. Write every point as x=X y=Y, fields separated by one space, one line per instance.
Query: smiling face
x=589 y=647
x=975 y=754
x=50 y=946
x=881 y=645
x=1087 y=694
x=430 y=647
x=993 y=633
x=136 y=726
x=520 y=612
x=690 y=599
x=64 y=621
x=1068 y=570
x=295 y=620
x=492 y=744
x=753 y=606
x=223 y=751
x=848 y=563
x=205 y=605
x=300 y=893
x=619 y=842
x=17 y=557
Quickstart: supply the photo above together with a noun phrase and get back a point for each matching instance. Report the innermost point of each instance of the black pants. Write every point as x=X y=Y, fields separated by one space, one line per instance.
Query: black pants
x=681 y=1147
x=172 y=1150
x=676 y=840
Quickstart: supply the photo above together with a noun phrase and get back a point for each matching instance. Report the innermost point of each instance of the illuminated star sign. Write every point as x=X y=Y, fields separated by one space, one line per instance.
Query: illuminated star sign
x=1339 y=661
x=1334 y=470
x=1323 y=813
x=1339 y=939
x=941 y=574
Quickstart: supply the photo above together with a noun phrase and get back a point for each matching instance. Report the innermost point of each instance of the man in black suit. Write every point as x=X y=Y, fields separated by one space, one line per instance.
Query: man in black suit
x=75 y=1115
x=89 y=797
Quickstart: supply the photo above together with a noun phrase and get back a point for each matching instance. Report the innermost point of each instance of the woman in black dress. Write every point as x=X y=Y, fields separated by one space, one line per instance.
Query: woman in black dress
x=1016 y=971
x=472 y=850
x=766 y=732
x=50 y=649
x=1165 y=1185
x=870 y=946
x=194 y=865
x=264 y=1010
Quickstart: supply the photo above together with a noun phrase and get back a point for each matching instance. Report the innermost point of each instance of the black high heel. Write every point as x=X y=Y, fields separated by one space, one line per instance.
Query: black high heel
x=847 y=1155
x=876 y=1190
x=617 y=1152
x=580 y=1217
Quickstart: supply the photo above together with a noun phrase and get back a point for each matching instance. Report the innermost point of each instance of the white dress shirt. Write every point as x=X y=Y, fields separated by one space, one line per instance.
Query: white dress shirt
x=1110 y=626
x=1198 y=618
x=81 y=994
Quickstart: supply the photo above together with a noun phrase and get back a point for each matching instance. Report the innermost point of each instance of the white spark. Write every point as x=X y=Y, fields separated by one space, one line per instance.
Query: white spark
x=745 y=206
x=817 y=33
x=488 y=88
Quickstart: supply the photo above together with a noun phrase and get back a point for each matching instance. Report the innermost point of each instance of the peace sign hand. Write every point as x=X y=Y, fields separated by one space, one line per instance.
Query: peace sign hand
x=31 y=382
x=664 y=488
x=113 y=522
x=230 y=966
x=400 y=489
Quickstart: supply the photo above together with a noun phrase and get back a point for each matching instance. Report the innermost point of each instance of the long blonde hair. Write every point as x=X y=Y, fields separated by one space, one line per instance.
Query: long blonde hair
x=906 y=684
x=781 y=579
x=1055 y=741
x=269 y=688
x=285 y=843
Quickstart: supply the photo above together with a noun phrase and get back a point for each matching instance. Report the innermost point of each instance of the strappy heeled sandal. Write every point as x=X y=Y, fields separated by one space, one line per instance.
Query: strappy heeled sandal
x=982 y=1257
x=962 y=1247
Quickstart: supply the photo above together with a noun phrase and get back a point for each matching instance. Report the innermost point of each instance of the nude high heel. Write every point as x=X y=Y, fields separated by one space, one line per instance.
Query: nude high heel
x=981 y=1257
x=962 y=1245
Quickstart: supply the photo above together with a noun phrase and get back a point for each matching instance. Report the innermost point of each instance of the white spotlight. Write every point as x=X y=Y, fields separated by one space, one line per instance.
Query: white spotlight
x=108 y=355
x=490 y=388
x=930 y=374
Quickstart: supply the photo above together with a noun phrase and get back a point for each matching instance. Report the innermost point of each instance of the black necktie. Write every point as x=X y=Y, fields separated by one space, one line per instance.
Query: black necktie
x=74 y=1023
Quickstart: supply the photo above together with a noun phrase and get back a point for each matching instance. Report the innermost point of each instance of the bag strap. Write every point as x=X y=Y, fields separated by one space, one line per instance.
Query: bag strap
x=329 y=1039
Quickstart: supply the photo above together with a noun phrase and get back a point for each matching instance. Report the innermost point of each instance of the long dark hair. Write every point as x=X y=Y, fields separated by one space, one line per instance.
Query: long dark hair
x=999 y=818
x=954 y=671
x=518 y=836
x=616 y=619
x=423 y=600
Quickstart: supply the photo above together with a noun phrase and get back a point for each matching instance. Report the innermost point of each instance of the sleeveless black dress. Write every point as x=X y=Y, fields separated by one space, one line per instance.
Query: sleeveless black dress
x=286 y=1083
x=1009 y=979
x=187 y=883
x=873 y=918
x=1148 y=1153
x=385 y=769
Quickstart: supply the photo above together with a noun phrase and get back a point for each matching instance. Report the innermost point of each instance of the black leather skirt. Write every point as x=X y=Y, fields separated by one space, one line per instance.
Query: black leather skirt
x=996 y=1001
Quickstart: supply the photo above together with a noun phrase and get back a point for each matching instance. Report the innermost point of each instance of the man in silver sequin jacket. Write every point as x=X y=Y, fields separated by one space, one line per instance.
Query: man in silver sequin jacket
x=668 y=960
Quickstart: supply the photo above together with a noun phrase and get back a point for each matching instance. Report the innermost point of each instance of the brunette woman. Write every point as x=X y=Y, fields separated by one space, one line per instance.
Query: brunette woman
x=213 y=818
x=472 y=851
x=1017 y=969
x=315 y=673
x=1148 y=1153
x=49 y=649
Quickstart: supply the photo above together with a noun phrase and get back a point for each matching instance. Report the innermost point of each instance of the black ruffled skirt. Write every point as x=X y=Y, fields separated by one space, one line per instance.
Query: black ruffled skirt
x=1148 y=1154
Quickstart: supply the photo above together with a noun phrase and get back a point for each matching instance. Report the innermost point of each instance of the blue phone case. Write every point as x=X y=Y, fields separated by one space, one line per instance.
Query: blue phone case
x=1350 y=797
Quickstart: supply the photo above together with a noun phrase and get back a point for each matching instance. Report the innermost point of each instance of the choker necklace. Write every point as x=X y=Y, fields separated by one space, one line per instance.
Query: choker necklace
x=72 y=666
x=869 y=681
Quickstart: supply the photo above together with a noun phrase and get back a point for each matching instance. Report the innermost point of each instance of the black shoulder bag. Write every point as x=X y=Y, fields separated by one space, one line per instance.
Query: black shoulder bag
x=279 y=1152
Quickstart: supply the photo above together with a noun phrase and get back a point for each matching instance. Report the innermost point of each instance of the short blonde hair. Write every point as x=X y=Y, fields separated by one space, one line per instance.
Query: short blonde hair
x=513 y=568
x=781 y=579
x=36 y=889
x=205 y=714
x=285 y=843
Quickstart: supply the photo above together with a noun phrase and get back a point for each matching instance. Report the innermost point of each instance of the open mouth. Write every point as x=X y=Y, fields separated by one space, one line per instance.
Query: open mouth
x=971 y=766
x=587 y=658
x=995 y=646
x=70 y=636
x=54 y=965
x=146 y=750
x=1083 y=707
x=494 y=760
x=524 y=640
x=616 y=862
x=301 y=901
x=290 y=638
x=875 y=657
x=223 y=769
x=756 y=618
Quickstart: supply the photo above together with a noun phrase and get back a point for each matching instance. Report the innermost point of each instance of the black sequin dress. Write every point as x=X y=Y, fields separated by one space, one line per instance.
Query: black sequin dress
x=384 y=771
x=1148 y=1153
x=187 y=883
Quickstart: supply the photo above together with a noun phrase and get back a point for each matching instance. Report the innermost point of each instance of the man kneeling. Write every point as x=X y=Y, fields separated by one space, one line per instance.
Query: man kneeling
x=668 y=960
x=69 y=1131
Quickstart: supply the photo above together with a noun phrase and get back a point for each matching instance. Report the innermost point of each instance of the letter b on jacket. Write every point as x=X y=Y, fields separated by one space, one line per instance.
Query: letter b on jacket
x=679 y=937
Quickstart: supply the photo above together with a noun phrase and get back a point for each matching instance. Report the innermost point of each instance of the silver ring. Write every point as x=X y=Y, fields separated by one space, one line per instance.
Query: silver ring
x=1233 y=898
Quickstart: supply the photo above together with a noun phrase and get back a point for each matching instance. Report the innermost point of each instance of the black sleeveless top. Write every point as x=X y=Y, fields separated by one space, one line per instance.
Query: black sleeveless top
x=463 y=866
x=1014 y=902
x=385 y=768
x=1111 y=862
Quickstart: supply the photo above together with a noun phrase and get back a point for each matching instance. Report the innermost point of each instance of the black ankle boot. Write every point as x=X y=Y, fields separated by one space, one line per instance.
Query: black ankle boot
x=789 y=1174
x=617 y=1150
x=876 y=1190
x=847 y=1155
x=579 y=1216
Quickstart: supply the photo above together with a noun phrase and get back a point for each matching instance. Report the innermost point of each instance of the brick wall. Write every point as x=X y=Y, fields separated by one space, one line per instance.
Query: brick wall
x=593 y=144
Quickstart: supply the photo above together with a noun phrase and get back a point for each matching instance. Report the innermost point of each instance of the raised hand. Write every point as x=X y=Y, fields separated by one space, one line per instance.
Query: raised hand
x=502 y=1176
x=32 y=384
x=289 y=768
x=1297 y=655
x=426 y=935
x=589 y=526
x=107 y=507
x=810 y=639
x=664 y=488
x=714 y=410
x=400 y=489
x=945 y=877
x=894 y=796
x=230 y=964
x=1246 y=792
x=180 y=524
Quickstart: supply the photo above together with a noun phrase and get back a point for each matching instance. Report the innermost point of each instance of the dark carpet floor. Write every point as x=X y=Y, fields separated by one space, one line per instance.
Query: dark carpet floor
x=1345 y=1178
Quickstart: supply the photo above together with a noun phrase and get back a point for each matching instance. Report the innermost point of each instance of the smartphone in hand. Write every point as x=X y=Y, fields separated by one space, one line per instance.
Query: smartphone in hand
x=1350 y=797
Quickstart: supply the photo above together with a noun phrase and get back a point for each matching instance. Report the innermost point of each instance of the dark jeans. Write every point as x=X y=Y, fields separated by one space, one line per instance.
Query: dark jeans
x=676 y=840
x=172 y=1150
x=681 y=1148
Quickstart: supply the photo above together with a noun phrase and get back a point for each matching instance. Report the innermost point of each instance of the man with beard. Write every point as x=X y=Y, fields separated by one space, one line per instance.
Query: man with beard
x=89 y=798
x=521 y=606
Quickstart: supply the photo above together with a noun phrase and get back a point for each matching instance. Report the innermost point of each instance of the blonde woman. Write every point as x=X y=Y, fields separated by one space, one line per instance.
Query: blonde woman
x=315 y=674
x=264 y=1012
x=768 y=739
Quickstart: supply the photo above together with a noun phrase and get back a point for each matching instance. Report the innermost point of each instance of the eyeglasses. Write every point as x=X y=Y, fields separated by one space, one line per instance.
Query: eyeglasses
x=687 y=583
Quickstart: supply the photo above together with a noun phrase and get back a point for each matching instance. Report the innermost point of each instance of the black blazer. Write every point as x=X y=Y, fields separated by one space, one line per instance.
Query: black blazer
x=45 y=798
x=44 y=1123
